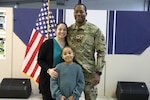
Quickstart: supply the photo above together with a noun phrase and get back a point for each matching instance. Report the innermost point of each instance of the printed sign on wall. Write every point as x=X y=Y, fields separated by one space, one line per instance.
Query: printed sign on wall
x=2 y=47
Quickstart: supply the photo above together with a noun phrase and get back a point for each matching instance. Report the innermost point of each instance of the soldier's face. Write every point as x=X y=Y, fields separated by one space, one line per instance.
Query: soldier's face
x=80 y=14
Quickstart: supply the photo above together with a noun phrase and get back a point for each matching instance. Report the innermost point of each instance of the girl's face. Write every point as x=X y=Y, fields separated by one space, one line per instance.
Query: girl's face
x=61 y=31
x=67 y=55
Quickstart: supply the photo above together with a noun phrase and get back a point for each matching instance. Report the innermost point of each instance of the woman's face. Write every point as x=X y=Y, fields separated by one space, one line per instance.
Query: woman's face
x=61 y=31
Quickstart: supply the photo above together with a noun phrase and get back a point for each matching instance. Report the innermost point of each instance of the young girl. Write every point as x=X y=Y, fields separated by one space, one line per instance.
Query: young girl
x=70 y=82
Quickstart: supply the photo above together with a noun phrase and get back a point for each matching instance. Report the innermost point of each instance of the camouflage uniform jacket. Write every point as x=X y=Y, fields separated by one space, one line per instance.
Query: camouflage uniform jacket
x=85 y=40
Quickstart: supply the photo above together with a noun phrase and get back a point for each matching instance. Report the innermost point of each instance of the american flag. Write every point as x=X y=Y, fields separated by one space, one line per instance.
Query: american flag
x=39 y=33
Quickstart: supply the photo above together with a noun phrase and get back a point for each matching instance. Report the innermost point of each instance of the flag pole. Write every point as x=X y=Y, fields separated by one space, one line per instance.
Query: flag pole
x=48 y=24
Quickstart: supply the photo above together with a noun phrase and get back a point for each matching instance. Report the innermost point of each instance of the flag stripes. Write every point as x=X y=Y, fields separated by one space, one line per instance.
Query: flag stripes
x=30 y=61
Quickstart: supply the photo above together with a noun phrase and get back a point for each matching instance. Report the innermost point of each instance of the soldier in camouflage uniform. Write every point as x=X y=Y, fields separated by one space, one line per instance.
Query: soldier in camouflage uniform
x=86 y=38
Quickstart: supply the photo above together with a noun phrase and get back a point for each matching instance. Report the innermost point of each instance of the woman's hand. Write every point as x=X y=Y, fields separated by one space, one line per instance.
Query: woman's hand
x=52 y=72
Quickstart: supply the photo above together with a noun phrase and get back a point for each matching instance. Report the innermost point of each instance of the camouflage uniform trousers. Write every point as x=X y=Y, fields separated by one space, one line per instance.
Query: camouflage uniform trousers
x=90 y=92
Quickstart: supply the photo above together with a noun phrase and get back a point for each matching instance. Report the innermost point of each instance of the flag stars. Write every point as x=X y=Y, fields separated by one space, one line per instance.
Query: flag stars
x=42 y=14
x=46 y=13
x=43 y=18
x=52 y=16
x=45 y=26
x=41 y=27
x=52 y=25
x=42 y=22
x=37 y=28
x=37 y=24
x=53 y=30
x=42 y=31
x=39 y=19
x=45 y=9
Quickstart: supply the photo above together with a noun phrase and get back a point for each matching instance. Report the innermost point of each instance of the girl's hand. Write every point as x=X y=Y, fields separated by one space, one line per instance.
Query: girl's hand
x=62 y=98
x=71 y=98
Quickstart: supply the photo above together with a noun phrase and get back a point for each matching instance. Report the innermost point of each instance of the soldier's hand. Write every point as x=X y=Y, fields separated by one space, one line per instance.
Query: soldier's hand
x=95 y=79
